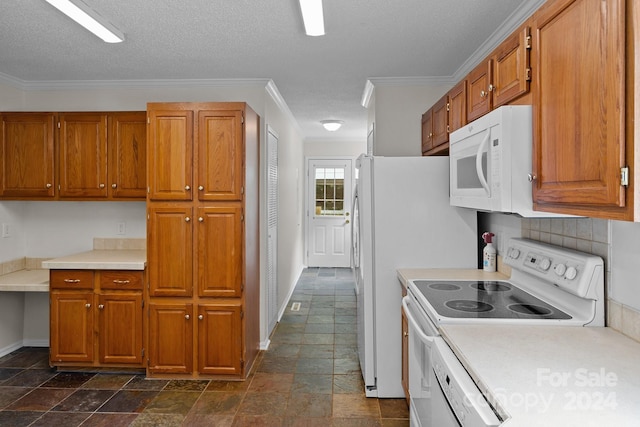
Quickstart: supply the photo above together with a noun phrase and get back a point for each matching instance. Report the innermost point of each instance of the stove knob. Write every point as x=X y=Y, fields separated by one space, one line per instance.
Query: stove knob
x=560 y=269
x=514 y=253
x=571 y=273
x=545 y=264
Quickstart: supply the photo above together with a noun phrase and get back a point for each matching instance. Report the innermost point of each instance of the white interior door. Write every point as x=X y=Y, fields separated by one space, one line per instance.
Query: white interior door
x=329 y=212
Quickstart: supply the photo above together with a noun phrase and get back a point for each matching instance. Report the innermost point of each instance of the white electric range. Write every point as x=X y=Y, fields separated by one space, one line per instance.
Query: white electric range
x=548 y=285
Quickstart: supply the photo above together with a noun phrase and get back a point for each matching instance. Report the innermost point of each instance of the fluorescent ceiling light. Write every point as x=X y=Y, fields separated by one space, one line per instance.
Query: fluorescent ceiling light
x=332 y=125
x=312 y=17
x=89 y=19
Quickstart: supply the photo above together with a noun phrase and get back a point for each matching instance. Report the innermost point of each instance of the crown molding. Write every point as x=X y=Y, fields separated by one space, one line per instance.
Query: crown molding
x=275 y=94
x=517 y=18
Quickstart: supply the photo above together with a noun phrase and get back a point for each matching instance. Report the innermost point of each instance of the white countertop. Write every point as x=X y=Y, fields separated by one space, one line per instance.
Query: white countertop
x=552 y=375
x=100 y=260
x=25 y=281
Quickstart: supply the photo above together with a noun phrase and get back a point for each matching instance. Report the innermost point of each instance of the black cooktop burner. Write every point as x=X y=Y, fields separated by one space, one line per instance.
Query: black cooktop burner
x=530 y=309
x=490 y=286
x=484 y=299
x=468 y=305
x=444 y=286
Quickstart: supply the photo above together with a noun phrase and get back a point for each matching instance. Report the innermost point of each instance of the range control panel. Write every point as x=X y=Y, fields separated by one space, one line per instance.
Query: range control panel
x=569 y=269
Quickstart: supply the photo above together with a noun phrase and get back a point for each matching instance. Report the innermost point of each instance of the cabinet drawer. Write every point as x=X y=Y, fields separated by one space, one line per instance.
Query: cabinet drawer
x=121 y=280
x=71 y=279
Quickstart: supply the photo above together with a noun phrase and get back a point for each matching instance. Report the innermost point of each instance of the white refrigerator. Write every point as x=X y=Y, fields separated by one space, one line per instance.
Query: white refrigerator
x=402 y=219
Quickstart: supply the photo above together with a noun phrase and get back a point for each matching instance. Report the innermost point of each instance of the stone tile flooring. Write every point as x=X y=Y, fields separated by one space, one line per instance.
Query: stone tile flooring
x=310 y=376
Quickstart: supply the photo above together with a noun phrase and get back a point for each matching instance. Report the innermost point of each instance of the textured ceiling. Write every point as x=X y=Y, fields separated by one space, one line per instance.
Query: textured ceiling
x=318 y=77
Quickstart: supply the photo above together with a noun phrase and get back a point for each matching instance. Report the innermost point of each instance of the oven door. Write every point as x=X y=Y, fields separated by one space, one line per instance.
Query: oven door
x=421 y=338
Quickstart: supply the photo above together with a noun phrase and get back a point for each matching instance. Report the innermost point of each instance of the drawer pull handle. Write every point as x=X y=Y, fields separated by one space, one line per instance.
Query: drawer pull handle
x=71 y=280
x=121 y=282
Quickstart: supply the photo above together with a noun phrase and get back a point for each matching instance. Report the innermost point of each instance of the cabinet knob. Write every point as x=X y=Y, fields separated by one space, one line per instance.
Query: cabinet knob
x=483 y=94
x=114 y=185
x=101 y=306
x=531 y=177
x=186 y=316
x=101 y=186
x=492 y=88
x=87 y=305
x=200 y=317
x=186 y=187
x=200 y=187
x=48 y=185
x=406 y=334
x=200 y=219
x=187 y=219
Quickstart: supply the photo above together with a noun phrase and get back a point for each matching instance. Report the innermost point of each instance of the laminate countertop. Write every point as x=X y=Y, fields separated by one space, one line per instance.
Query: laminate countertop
x=552 y=375
x=120 y=259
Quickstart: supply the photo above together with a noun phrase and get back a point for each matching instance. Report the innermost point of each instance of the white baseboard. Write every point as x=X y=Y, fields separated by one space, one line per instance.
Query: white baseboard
x=264 y=345
x=36 y=343
x=10 y=348
x=291 y=289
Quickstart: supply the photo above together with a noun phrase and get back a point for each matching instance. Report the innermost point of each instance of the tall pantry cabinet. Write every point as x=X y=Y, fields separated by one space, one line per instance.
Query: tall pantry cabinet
x=202 y=239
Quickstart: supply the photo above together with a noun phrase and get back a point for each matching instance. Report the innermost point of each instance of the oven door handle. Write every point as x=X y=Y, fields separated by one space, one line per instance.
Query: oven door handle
x=484 y=144
x=407 y=311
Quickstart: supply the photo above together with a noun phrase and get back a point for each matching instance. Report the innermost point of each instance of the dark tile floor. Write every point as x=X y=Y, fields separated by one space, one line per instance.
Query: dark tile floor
x=310 y=376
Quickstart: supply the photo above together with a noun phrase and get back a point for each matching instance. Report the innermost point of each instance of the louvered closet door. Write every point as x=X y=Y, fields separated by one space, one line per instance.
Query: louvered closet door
x=272 y=230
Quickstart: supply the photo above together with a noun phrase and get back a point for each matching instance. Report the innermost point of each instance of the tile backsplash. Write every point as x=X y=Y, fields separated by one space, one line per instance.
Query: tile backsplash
x=593 y=236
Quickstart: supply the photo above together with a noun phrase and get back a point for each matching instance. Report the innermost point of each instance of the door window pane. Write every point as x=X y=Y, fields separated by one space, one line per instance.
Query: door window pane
x=329 y=191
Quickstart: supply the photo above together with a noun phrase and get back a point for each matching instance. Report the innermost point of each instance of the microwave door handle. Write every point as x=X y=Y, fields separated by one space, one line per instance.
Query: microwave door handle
x=479 y=171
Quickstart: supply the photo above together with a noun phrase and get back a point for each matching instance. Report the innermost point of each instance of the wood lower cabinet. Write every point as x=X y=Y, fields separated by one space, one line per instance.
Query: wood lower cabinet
x=96 y=318
x=405 y=355
x=201 y=243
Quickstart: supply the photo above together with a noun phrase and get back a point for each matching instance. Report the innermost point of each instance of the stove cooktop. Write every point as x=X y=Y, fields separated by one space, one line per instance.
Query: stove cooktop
x=485 y=300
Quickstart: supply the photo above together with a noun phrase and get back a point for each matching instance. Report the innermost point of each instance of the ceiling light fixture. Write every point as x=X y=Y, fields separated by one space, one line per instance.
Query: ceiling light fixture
x=312 y=16
x=89 y=19
x=332 y=125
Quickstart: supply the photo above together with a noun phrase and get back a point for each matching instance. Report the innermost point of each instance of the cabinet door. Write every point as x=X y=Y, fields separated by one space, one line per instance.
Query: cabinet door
x=427 y=132
x=120 y=328
x=458 y=106
x=127 y=141
x=71 y=323
x=170 y=158
x=220 y=155
x=479 y=99
x=27 y=155
x=511 y=69
x=170 y=248
x=440 y=122
x=83 y=155
x=220 y=339
x=170 y=338
x=220 y=251
x=579 y=105
x=405 y=355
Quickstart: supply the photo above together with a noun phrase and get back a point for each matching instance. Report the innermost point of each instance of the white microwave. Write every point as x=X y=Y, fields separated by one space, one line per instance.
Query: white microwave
x=490 y=162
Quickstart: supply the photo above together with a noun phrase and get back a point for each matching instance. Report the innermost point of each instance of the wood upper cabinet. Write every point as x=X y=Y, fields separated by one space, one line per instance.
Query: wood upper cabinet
x=446 y=115
x=219 y=251
x=427 y=131
x=27 y=155
x=170 y=338
x=220 y=339
x=478 y=95
x=170 y=248
x=220 y=146
x=127 y=141
x=579 y=108
x=82 y=154
x=504 y=76
x=71 y=324
x=170 y=154
x=511 y=68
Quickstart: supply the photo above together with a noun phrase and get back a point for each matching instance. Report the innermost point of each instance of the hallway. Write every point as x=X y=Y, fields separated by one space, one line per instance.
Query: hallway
x=310 y=376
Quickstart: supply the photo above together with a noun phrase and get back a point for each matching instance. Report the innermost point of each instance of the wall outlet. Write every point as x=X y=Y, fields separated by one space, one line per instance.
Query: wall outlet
x=7 y=230
x=122 y=228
